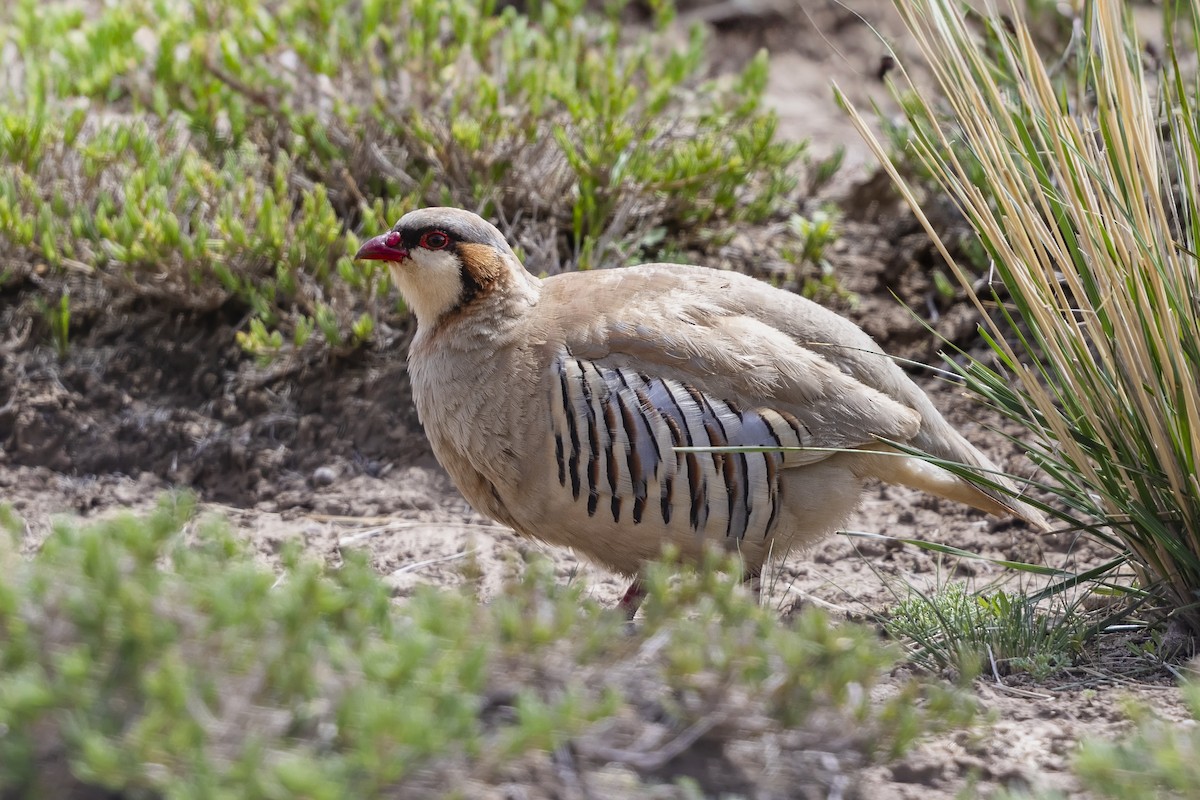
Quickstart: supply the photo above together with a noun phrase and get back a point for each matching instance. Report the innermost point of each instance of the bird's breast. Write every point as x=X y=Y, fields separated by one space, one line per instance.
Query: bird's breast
x=479 y=408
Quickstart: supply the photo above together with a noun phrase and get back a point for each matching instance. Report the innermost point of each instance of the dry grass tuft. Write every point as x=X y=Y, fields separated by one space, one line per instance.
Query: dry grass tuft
x=1083 y=189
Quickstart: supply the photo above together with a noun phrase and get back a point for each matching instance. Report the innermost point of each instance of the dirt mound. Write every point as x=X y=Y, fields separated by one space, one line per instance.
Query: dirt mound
x=172 y=394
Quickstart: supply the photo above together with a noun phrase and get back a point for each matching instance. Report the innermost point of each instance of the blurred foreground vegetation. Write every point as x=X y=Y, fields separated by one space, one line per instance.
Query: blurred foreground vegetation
x=155 y=656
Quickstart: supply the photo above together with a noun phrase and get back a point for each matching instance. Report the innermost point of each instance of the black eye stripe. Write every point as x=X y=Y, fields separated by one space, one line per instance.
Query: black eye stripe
x=455 y=233
x=419 y=237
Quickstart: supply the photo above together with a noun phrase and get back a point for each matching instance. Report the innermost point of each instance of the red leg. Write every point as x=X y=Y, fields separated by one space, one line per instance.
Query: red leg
x=632 y=599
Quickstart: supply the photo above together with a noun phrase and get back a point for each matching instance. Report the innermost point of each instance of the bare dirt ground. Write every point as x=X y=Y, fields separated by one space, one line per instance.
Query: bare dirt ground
x=331 y=452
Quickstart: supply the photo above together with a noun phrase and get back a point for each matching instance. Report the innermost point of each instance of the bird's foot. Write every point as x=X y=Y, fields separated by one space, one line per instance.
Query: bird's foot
x=632 y=600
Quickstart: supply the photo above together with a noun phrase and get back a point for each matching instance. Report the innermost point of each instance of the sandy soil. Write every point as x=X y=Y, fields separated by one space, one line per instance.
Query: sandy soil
x=332 y=453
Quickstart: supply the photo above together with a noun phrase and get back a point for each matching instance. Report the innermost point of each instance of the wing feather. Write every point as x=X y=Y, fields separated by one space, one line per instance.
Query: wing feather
x=815 y=378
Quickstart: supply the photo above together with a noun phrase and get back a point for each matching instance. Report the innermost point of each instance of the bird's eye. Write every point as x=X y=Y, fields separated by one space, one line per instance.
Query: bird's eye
x=392 y=239
x=434 y=240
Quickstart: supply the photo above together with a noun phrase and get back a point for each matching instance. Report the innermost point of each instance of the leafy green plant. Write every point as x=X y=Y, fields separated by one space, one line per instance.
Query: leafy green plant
x=155 y=655
x=58 y=320
x=1159 y=758
x=149 y=216
x=822 y=171
x=993 y=632
x=265 y=344
x=1086 y=204
x=814 y=234
x=256 y=141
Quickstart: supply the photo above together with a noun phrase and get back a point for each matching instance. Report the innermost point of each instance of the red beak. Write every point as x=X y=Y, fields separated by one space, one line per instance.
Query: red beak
x=378 y=249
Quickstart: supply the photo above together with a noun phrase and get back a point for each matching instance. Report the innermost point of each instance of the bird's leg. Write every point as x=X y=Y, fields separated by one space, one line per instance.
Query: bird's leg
x=632 y=600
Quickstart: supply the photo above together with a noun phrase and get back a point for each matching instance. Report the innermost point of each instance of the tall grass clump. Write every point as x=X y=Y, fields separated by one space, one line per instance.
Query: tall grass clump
x=1082 y=185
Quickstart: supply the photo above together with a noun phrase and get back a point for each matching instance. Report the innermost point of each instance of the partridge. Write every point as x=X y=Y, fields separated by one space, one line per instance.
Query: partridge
x=558 y=405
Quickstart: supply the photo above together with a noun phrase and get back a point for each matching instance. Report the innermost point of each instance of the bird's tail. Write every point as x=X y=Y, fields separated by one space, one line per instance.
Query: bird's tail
x=941 y=441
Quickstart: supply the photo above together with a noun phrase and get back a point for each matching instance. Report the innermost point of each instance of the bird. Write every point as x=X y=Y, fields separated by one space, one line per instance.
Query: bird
x=568 y=407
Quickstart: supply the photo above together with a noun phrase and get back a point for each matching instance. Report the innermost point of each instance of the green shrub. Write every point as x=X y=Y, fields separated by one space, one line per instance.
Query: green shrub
x=1160 y=758
x=155 y=655
x=133 y=207
x=239 y=150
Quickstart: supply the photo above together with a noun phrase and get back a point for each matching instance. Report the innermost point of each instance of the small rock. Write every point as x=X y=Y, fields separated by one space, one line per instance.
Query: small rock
x=127 y=492
x=289 y=60
x=927 y=771
x=323 y=476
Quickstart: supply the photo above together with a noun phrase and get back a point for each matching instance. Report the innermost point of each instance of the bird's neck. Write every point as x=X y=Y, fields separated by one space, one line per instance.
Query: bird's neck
x=472 y=381
x=484 y=322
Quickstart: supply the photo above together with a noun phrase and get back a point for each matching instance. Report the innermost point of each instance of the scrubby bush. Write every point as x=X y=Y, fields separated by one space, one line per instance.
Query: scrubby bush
x=1160 y=758
x=203 y=152
x=156 y=655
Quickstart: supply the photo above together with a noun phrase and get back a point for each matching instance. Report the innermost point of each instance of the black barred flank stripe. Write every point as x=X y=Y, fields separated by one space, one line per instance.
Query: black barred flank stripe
x=796 y=425
x=593 y=471
x=744 y=484
x=626 y=421
x=558 y=455
x=707 y=408
x=775 y=440
x=632 y=458
x=572 y=430
x=644 y=403
x=696 y=485
x=610 y=422
x=678 y=414
x=776 y=489
x=715 y=439
x=724 y=467
x=731 y=491
x=668 y=492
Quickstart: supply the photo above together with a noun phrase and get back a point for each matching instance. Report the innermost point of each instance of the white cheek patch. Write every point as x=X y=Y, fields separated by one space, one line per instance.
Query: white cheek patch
x=430 y=281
